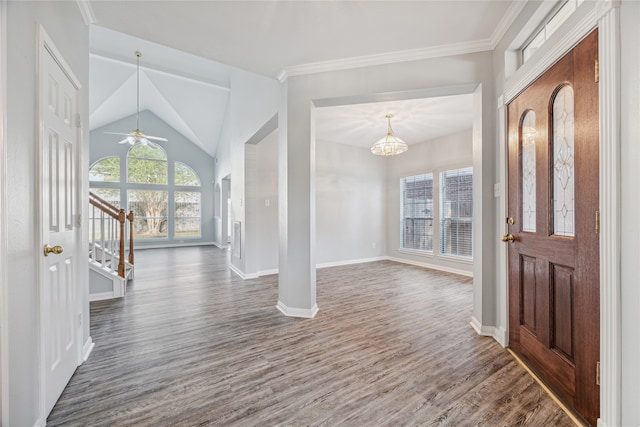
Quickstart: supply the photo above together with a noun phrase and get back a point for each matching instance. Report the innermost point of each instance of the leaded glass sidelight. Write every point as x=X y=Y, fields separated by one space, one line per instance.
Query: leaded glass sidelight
x=563 y=163
x=528 y=158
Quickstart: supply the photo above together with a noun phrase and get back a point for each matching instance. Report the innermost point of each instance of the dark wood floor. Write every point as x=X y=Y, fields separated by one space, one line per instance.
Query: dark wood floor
x=192 y=344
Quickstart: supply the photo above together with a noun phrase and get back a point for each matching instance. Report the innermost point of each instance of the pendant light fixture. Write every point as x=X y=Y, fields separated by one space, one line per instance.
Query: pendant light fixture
x=390 y=145
x=136 y=136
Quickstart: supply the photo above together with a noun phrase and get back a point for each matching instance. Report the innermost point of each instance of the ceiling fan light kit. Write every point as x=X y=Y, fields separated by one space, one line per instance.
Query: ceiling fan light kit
x=136 y=136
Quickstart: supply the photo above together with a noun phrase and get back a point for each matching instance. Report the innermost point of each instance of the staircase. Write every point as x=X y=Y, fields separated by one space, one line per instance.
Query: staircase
x=110 y=257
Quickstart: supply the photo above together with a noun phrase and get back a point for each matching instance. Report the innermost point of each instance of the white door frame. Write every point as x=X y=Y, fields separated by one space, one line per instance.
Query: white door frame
x=4 y=347
x=605 y=15
x=46 y=46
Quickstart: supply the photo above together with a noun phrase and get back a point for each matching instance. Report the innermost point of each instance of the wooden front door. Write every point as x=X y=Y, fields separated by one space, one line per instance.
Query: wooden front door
x=554 y=289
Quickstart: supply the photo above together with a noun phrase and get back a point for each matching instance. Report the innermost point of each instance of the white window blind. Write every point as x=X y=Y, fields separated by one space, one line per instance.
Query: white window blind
x=417 y=212
x=456 y=212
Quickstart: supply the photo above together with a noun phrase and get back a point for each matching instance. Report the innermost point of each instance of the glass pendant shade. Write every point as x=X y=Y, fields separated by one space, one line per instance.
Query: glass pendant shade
x=390 y=145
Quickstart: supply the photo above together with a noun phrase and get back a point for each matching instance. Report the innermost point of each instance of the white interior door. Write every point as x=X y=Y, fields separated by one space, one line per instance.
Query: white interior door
x=59 y=299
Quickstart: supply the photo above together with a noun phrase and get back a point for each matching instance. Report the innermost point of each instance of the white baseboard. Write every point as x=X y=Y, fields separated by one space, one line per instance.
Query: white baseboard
x=86 y=349
x=297 y=312
x=350 y=262
x=431 y=266
x=219 y=245
x=498 y=334
x=502 y=336
x=243 y=275
x=327 y=265
x=102 y=296
x=174 y=245
x=267 y=272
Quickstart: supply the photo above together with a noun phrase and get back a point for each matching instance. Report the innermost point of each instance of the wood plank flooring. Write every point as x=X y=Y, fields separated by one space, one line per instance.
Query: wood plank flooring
x=194 y=345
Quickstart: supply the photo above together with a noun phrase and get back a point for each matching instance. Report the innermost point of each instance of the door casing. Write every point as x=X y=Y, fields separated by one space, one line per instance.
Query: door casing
x=604 y=15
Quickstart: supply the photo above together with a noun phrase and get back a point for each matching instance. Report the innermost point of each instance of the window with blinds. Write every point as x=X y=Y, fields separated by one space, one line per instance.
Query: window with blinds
x=456 y=212
x=417 y=212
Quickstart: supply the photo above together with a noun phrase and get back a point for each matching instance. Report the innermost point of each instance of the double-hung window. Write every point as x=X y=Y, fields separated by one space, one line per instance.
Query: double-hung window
x=417 y=212
x=456 y=212
x=436 y=212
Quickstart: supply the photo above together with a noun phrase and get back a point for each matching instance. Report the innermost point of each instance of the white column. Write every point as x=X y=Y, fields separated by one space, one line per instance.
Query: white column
x=296 y=199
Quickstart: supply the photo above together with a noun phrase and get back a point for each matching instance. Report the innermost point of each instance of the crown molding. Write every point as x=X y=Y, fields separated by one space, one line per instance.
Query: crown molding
x=282 y=75
x=387 y=58
x=507 y=20
x=87 y=11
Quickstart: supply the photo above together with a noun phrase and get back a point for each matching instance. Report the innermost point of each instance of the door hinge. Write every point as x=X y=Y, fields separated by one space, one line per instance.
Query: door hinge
x=597 y=222
x=598 y=373
x=78 y=121
x=597 y=71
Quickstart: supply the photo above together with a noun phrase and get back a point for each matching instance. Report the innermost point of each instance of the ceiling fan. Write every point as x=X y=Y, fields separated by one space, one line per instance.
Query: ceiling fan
x=136 y=136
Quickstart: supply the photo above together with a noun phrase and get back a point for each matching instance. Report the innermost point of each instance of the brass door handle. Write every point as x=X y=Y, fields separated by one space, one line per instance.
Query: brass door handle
x=53 y=250
x=508 y=238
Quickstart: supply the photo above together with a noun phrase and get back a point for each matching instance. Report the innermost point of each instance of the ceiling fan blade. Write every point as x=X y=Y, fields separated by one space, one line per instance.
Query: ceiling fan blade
x=124 y=141
x=117 y=133
x=157 y=138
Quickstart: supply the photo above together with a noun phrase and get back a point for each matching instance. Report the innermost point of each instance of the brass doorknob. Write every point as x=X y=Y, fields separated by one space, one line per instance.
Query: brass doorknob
x=53 y=250
x=508 y=238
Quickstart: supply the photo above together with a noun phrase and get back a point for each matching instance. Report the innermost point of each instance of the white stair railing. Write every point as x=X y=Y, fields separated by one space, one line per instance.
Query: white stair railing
x=108 y=236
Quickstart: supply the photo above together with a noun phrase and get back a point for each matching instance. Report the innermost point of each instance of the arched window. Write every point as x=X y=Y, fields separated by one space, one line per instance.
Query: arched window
x=165 y=206
x=563 y=163
x=104 y=176
x=105 y=170
x=186 y=176
x=146 y=165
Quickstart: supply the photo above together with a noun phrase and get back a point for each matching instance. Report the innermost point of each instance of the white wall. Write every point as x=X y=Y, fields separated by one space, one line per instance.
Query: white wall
x=64 y=24
x=350 y=204
x=253 y=101
x=298 y=152
x=262 y=189
x=448 y=152
x=177 y=149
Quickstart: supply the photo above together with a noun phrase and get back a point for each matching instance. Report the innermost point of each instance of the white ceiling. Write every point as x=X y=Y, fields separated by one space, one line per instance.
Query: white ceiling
x=266 y=36
x=190 y=47
x=414 y=121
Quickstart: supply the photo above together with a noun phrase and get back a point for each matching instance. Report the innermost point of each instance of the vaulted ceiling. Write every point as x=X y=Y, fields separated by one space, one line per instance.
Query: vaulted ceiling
x=190 y=48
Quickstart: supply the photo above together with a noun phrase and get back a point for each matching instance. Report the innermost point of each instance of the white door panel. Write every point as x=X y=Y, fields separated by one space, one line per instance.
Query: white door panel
x=58 y=107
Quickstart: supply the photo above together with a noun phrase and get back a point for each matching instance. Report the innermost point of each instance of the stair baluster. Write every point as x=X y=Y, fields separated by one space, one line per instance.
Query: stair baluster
x=109 y=246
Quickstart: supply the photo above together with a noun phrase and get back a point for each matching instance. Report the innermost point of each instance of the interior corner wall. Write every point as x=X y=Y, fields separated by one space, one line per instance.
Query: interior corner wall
x=178 y=148
x=64 y=24
x=350 y=204
x=262 y=205
x=447 y=152
x=254 y=100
